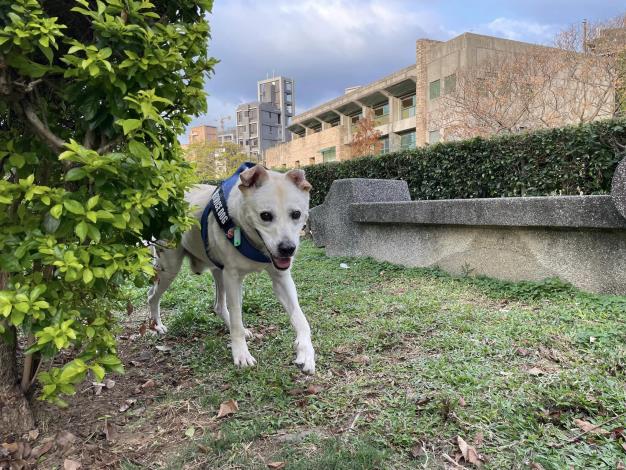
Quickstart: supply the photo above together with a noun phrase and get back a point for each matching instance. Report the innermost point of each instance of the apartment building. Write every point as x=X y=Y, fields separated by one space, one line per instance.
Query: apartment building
x=262 y=124
x=202 y=134
x=402 y=104
x=227 y=136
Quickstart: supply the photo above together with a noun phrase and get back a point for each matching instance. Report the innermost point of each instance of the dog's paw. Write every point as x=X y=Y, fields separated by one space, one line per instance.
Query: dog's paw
x=305 y=357
x=247 y=333
x=243 y=358
x=160 y=328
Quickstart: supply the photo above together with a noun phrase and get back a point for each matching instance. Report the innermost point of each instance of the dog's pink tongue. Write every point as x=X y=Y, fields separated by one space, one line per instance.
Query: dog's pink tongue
x=282 y=263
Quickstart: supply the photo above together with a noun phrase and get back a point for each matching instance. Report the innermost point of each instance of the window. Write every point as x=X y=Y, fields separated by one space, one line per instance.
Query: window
x=312 y=161
x=239 y=116
x=254 y=142
x=328 y=154
x=253 y=128
x=252 y=113
x=435 y=89
x=381 y=115
x=385 y=147
x=407 y=140
x=407 y=107
x=449 y=84
x=434 y=137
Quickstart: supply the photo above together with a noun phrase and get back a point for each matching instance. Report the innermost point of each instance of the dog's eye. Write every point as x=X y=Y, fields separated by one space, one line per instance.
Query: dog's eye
x=295 y=215
x=266 y=216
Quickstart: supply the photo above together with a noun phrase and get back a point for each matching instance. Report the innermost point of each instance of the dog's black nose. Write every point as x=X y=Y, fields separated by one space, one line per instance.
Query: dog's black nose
x=286 y=249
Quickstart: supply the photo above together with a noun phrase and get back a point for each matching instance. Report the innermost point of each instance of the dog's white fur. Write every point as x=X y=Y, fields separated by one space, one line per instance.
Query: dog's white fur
x=260 y=191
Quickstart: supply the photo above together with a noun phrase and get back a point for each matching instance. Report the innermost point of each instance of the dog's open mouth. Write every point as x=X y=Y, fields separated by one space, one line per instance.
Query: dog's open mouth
x=281 y=263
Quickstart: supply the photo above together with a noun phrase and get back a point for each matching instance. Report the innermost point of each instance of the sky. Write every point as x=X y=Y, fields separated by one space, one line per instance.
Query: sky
x=328 y=45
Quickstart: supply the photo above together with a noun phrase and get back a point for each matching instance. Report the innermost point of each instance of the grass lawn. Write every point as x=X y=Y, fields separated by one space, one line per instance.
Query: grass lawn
x=407 y=360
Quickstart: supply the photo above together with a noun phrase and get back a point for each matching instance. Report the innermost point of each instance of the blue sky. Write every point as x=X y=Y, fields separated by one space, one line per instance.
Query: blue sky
x=328 y=45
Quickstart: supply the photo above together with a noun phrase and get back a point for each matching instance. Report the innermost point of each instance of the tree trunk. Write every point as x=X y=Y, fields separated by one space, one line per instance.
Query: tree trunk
x=16 y=416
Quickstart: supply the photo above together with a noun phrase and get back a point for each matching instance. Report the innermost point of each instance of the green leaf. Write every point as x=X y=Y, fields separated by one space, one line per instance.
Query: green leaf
x=139 y=149
x=56 y=211
x=91 y=203
x=98 y=370
x=81 y=230
x=87 y=276
x=17 y=160
x=129 y=125
x=74 y=206
x=75 y=174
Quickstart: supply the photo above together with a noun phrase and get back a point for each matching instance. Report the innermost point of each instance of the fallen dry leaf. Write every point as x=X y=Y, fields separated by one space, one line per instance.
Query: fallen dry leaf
x=417 y=450
x=620 y=466
x=163 y=348
x=469 y=453
x=479 y=439
x=129 y=308
x=227 y=408
x=70 y=464
x=148 y=384
x=535 y=371
x=42 y=449
x=277 y=465
x=127 y=404
x=65 y=438
x=624 y=446
x=108 y=383
x=314 y=389
x=143 y=328
x=33 y=434
x=589 y=428
x=536 y=466
x=190 y=432
x=462 y=401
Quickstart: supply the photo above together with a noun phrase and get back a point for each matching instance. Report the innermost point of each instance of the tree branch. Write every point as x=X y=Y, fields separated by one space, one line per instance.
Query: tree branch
x=105 y=148
x=53 y=141
x=89 y=140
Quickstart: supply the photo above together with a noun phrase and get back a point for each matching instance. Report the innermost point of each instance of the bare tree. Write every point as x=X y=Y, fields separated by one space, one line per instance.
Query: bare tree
x=537 y=87
x=366 y=141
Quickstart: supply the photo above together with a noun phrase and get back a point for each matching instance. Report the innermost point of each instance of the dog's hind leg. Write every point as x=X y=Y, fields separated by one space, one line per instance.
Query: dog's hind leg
x=167 y=264
x=220 y=305
x=233 y=286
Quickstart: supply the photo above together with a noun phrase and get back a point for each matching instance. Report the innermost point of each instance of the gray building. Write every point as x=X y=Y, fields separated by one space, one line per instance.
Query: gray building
x=263 y=124
x=227 y=135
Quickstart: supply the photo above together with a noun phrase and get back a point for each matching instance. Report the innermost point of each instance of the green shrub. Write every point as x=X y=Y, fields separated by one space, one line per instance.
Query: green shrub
x=567 y=160
x=92 y=97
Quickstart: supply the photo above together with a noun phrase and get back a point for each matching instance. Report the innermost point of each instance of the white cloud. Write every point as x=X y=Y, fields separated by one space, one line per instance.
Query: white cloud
x=324 y=45
x=522 y=30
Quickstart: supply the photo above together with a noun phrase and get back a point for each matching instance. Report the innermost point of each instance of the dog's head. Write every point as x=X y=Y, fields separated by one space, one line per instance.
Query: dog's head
x=276 y=205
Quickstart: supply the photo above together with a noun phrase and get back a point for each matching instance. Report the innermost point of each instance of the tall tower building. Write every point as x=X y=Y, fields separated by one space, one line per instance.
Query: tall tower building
x=279 y=91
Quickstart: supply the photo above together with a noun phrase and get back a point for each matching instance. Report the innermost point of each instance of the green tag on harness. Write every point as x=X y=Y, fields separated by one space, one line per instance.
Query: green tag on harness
x=237 y=237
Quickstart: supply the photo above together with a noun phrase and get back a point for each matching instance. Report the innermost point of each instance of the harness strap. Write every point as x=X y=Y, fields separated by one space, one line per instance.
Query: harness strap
x=217 y=205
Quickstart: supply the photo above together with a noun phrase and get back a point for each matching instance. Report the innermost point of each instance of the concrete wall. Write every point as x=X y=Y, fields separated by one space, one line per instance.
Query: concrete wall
x=306 y=151
x=580 y=239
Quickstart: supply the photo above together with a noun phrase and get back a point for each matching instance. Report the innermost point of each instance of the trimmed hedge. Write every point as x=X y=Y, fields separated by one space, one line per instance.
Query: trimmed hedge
x=568 y=160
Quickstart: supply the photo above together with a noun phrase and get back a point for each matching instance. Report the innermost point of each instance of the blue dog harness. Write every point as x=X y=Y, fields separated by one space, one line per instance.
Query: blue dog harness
x=217 y=205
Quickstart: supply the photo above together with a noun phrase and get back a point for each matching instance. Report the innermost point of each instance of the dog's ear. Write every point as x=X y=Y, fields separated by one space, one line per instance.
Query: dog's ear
x=254 y=176
x=299 y=179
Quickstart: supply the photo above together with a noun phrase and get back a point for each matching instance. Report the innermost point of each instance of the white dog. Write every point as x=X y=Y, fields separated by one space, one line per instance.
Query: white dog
x=251 y=222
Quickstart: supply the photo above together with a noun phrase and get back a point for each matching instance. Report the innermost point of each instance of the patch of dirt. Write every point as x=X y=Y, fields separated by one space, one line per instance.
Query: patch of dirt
x=124 y=419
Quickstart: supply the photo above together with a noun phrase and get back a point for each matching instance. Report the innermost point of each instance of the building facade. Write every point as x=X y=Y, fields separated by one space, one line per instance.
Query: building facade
x=402 y=105
x=262 y=124
x=202 y=134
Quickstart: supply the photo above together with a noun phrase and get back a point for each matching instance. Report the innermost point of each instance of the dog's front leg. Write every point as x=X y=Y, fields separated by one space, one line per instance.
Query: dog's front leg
x=232 y=284
x=285 y=290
